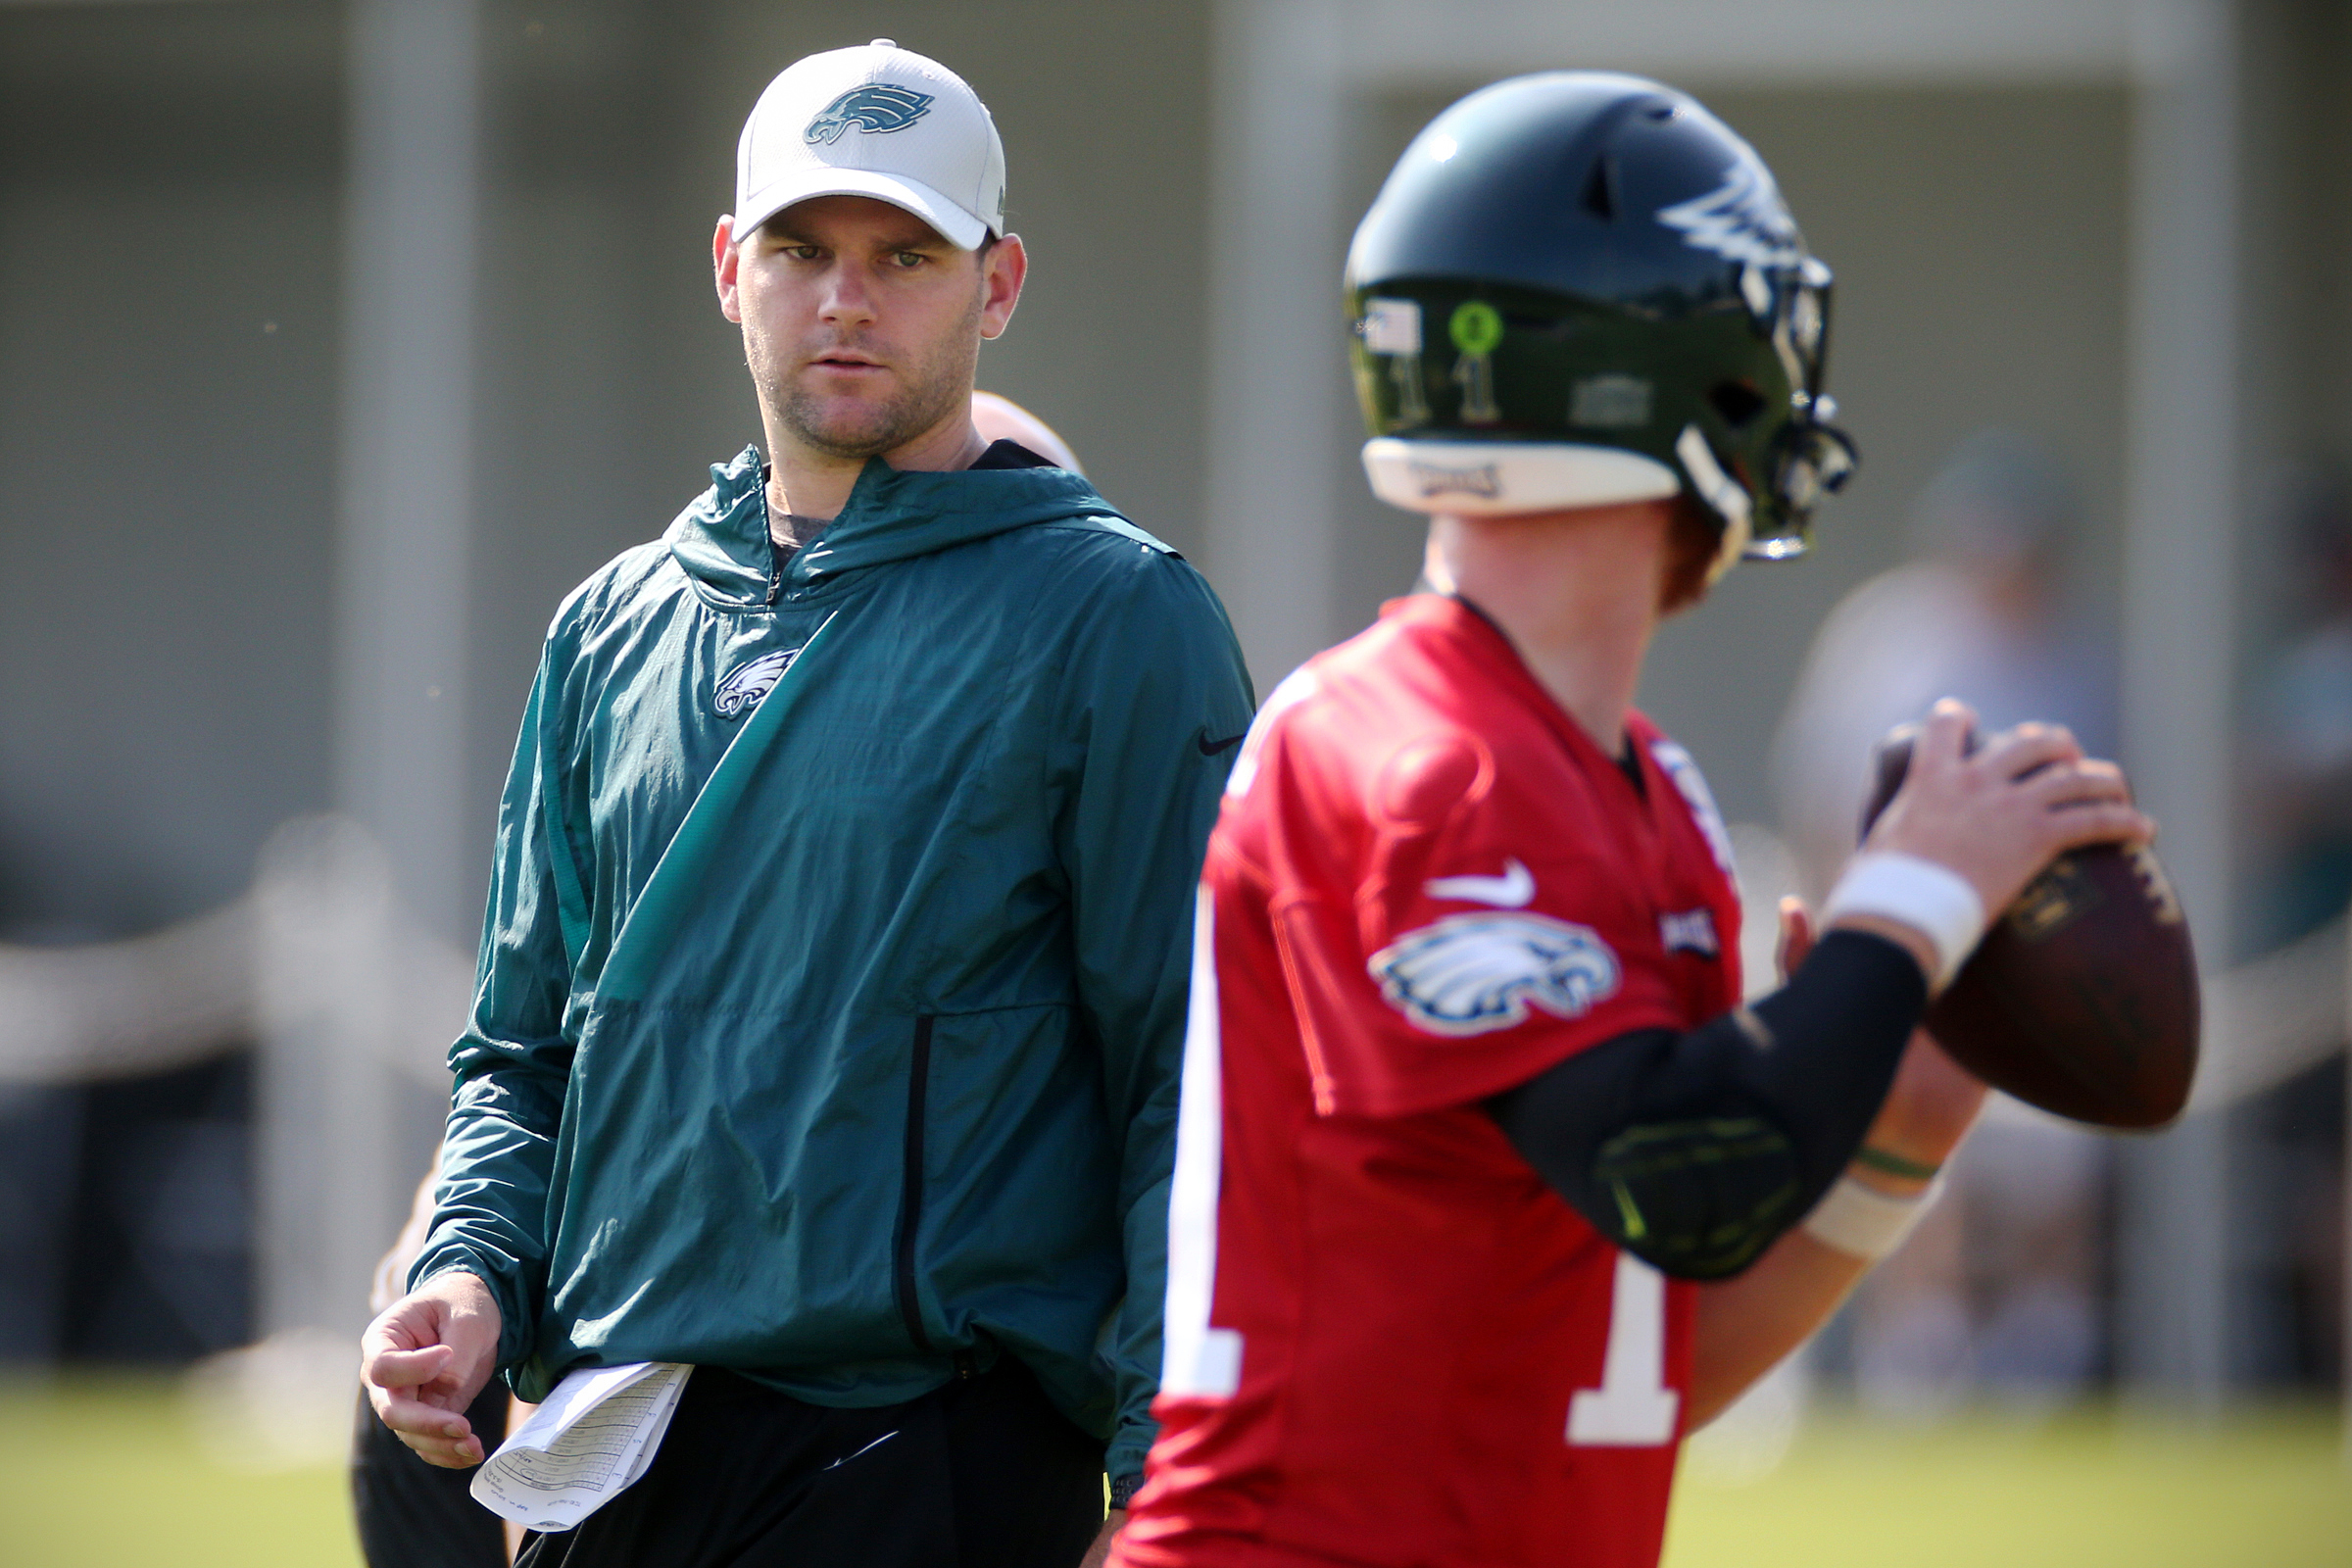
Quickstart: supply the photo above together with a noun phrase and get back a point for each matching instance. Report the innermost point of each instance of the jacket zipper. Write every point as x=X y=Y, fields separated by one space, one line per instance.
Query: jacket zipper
x=911 y=1193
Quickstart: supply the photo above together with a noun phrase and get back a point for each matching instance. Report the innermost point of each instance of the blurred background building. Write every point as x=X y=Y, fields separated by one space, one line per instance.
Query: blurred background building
x=337 y=341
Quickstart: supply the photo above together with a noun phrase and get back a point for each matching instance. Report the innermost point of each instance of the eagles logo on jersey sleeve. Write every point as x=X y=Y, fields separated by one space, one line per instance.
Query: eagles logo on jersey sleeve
x=1468 y=974
x=1467 y=898
x=1476 y=926
x=1449 y=987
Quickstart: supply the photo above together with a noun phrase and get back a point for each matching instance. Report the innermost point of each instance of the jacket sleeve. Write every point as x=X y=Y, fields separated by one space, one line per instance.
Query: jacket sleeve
x=1154 y=699
x=513 y=1062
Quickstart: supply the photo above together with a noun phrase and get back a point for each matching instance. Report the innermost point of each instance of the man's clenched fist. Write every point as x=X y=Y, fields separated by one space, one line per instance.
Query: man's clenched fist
x=425 y=1359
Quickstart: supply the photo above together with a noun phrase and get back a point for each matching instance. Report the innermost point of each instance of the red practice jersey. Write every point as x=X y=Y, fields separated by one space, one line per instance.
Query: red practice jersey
x=1388 y=1341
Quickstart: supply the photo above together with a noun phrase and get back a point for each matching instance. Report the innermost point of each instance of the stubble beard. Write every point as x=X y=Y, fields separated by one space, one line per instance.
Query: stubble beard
x=930 y=389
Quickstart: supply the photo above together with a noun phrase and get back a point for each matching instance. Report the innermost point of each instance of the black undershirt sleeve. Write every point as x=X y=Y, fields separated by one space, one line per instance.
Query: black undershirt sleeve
x=1695 y=1152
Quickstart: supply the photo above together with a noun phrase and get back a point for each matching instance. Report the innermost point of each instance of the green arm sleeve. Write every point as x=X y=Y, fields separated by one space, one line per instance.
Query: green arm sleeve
x=513 y=1061
x=1153 y=684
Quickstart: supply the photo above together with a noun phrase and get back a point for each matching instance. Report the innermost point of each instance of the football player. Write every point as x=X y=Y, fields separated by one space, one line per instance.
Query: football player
x=1488 y=1189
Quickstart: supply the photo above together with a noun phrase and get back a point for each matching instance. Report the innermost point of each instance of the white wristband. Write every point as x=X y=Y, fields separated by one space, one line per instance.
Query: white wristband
x=1864 y=1222
x=1934 y=900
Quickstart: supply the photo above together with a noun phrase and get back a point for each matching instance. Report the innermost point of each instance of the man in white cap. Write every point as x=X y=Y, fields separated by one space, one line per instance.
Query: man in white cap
x=833 y=982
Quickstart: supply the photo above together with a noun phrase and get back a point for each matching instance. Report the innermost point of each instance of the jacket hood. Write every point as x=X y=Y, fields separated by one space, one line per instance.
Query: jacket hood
x=722 y=539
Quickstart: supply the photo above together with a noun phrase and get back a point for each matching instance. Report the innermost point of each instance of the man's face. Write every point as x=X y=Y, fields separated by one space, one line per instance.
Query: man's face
x=860 y=323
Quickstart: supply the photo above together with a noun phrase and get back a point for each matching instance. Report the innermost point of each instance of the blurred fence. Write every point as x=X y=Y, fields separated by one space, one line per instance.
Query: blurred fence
x=350 y=1002
x=349 y=1006
x=318 y=937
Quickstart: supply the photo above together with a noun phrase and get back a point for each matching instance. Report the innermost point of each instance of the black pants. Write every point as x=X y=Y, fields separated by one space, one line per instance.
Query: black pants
x=983 y=1473
x=416 y=1515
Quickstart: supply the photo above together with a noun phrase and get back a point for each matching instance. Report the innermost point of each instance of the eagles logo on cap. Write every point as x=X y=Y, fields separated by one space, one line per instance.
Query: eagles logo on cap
x=798 y=145
x=877 y=108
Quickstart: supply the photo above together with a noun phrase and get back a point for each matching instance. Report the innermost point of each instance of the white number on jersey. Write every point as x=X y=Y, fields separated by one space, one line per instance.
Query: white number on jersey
x=1633 y=1408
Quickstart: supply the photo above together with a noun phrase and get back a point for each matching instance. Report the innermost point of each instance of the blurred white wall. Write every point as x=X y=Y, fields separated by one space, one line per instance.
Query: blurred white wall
x=2036 y=207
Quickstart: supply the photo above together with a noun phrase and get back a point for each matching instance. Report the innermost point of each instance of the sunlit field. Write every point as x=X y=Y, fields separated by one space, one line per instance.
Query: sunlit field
x=110 y=1473
x=2258 y=1489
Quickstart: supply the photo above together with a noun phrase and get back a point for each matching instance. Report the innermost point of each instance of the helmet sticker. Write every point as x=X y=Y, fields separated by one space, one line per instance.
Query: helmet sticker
x=1394 y=328
x=1741 y=220
x=1495 y=478
x=1482 y=480
x=1476 y=328
x=879 y=107
x=1611 y=402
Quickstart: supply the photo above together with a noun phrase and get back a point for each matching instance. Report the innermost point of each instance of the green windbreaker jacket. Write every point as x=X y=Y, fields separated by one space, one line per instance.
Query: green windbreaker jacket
x=875 y=1078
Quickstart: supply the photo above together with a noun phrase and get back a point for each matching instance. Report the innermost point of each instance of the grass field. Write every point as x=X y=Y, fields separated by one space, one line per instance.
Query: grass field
x=2264 y=1489
x=108 y=1473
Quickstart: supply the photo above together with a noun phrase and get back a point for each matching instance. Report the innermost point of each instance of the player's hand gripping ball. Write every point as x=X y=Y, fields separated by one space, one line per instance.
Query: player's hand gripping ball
x=2082 y=996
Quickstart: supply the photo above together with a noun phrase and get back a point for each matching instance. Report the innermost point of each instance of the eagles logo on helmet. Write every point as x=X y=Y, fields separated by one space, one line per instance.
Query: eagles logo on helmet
x=1676 y=345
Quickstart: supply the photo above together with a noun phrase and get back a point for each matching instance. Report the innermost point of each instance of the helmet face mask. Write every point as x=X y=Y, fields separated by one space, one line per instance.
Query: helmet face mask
x=1594 y=265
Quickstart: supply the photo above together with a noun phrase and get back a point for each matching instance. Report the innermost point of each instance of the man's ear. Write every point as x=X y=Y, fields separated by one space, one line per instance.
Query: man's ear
x=723 y=259
x=1003 y=269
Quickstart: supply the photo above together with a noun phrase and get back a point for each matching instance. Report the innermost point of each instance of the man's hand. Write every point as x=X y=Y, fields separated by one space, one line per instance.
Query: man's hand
x=426 y=1358
x=1100 y=1552
x=2000 y=816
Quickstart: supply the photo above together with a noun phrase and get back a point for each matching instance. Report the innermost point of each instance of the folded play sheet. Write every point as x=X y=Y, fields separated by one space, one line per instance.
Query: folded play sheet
x=594 y=1434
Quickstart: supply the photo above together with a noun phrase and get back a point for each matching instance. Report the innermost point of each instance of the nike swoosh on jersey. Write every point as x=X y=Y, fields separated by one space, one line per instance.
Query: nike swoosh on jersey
x=1510 y=891
x=1210 y=748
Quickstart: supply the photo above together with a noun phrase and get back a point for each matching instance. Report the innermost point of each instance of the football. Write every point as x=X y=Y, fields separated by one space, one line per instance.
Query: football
x=2082 y=996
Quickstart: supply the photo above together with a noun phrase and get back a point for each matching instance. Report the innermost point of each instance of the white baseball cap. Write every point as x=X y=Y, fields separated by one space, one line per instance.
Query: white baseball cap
x=880 y=121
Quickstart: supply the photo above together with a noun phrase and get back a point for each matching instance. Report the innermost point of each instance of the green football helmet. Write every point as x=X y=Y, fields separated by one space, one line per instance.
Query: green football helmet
x=1578 y=288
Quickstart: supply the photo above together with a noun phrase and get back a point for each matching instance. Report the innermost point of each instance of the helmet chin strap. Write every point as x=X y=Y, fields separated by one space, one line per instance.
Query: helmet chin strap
x=1497 y=478
x=1721 y=493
